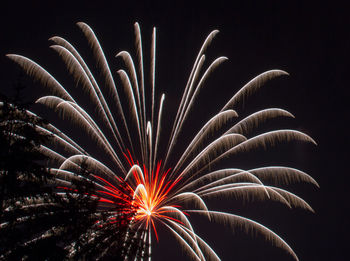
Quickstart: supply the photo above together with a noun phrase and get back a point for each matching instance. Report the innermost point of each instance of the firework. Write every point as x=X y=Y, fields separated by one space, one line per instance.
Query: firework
x=128 y=133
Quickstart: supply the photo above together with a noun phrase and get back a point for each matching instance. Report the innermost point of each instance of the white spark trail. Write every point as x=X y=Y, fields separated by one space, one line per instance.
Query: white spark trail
x=80 y=74
x=35 y=71
x=252 y=86
x=249 y=225
x=158 y=129
x=153 y=73
x=102 y=62
x=75 y=53
x=215 y=123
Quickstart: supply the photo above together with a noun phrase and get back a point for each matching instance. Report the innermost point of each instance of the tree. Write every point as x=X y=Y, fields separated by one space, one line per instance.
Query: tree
x=25 y=190
x=46 y=218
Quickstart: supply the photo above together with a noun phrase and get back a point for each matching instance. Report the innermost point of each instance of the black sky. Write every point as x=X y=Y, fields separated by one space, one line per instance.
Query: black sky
x=310 y=41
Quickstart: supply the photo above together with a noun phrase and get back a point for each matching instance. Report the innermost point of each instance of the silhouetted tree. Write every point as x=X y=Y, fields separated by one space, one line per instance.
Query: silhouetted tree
x=45 y=218
x=25 y=186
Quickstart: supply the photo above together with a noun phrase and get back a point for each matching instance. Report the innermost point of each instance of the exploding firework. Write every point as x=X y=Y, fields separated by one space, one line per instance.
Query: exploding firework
x=128 y=135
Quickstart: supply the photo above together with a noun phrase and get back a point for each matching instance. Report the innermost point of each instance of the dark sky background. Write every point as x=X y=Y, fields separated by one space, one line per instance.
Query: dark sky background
x=310 y=41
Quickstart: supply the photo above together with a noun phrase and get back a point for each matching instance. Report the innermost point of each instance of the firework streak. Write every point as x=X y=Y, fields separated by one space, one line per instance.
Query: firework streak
x=127 y=136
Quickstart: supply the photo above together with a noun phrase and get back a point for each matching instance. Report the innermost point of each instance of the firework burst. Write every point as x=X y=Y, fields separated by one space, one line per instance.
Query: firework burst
x=157 y=191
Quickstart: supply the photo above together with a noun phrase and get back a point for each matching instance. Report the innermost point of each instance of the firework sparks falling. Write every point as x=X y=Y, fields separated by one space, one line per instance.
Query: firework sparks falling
x=156 y=190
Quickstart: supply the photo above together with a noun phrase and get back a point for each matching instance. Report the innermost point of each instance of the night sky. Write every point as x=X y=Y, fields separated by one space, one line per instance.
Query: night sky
x=309 y=41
